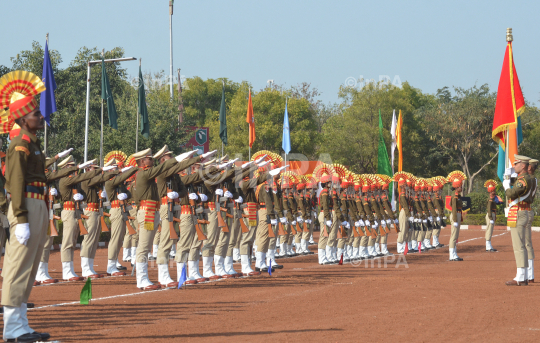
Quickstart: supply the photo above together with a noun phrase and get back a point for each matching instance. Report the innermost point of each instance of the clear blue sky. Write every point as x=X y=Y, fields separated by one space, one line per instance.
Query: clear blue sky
x=430 y=44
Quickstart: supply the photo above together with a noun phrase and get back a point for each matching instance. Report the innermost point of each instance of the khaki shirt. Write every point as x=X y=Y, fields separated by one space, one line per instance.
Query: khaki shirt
x=146 y=186
x=25 y=164
x=457 y=205
x=520 y=188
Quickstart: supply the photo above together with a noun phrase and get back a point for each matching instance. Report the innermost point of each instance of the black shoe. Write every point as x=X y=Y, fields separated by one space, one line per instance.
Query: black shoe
x=44 y=335
x=457 y=259
x=121 y=268
x=491 y=250
x=277 y=266
x=151 y=258
x=440 y=245
x=265 y=269
x=27 y=337
x=29 y=305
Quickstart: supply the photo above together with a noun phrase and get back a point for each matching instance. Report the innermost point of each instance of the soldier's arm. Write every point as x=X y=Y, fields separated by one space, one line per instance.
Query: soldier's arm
x=181 y=166
x=121 y=178
x=454 y=209
x=519 y=189
x=60 y=173
x=50 y=161
x=269 y=204
x=375 y=208
x=302 y=207
x=404 y=205
x=153 y=172
x=81 y=177
x=102 y=178
x=15 y=170
x=360 y=209
x=388 y=209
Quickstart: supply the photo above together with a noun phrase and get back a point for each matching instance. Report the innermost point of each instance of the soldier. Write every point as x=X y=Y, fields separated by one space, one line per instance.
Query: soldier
x=325 y=215
x=456 y=178
x=69 y=189
x=518 y=188
x=43 y=270
x=360 y=215
x=279 y=216
x=378 y=219
x=117 y=191
x=366 y=250
x=92 y=189
x=431 y=214
x=310 y=199
x=404 y=213
x=528 y=232
x=27 y=213
x=284 y=249
x=439 y=209
x=491 y=214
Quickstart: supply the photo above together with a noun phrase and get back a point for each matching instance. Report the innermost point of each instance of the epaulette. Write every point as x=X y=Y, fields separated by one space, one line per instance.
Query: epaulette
x=324 y=191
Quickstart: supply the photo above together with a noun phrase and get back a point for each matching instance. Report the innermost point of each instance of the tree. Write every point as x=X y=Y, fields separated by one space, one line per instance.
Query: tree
x=460 y=126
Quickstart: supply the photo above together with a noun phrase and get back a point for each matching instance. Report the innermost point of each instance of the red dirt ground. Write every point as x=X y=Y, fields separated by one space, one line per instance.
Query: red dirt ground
x=428 y=299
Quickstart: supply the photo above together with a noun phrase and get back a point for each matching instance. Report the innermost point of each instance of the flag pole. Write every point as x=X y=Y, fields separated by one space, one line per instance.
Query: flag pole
x=45 y=137
x=138 y=115
x=249 y=132
x=171 y=2
x=101 y=139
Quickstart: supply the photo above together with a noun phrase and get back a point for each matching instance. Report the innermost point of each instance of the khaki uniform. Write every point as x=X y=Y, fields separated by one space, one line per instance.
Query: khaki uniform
x=404 y=215
x=528 y=231
x=25 y=172
x=521 y=188
x=457 y=205
x=491 y=215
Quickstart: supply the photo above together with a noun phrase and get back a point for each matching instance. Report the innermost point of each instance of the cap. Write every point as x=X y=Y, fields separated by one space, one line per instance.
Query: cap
x=110 y=163
x=142 y=154
x=164 y=151
x=520 y=158
x=92 y=163
x=490 y=185
x=533 y=162
x=68 y=161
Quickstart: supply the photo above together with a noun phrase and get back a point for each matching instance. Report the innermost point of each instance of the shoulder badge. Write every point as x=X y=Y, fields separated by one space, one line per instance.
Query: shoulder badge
x=25 y=138
x=23 y=149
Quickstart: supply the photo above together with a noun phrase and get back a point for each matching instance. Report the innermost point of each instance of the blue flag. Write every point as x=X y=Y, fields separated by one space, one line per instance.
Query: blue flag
x=47 y=102
x=286 y=144
x=183 y=277
x=501 y=158
x=270 y=267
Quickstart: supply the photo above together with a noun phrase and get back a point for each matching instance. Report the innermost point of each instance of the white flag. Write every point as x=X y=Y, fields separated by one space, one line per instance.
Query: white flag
x=393 y=148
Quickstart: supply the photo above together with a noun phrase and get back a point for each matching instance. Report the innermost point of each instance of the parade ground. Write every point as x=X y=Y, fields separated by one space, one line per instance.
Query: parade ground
x=418 y=297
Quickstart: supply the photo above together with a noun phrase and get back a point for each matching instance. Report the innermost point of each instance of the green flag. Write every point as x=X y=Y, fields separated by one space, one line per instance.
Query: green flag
x=383 y=163
x=223 y=118
x=142 y=109
x=86 y=293
x=106 y=94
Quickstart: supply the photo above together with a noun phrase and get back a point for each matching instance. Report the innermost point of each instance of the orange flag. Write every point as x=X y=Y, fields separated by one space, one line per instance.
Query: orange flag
x=251 y=121
x=399 y=126
x=509 y=106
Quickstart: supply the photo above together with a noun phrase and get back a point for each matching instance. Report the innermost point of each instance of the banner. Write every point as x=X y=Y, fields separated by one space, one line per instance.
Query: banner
x=200 y=139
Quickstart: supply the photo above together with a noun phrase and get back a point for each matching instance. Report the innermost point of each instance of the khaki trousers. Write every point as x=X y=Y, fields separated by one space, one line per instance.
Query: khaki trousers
x=70 y=233
x=185 y=239
x=324 y=228
x=332 y=235
x=223 y=243
x=403 y=226
x=164 y=240
x=195 y=249
x=135 y=225
x=436 y=232
x=262 y=240
x=364 y=240
x=235 y=234
x=454 y=235
x=489 y=228
x=4 y=223
x=528 y=238
x=518 y=239
x=384 y=238
x=91 y=239
x=157 y=236
x=146 y=237
x=212 y=235
x=118 y=230
x=21 y=262
x=307 y=235
x=248 y=238
x=127 y=240
x=47 y=248
x=356 y=242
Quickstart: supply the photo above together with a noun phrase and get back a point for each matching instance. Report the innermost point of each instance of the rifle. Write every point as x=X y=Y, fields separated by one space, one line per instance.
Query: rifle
x=238 y=209
x=221 y=222
x=79 y=215
x=170 y=213
x=200 y=234
x=126 y=218
x=52 y=217
x=102 y=215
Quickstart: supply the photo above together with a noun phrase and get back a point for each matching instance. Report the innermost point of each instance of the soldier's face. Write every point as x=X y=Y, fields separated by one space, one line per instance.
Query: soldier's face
x=34 y=121
x=520 y=166
x=147 y=162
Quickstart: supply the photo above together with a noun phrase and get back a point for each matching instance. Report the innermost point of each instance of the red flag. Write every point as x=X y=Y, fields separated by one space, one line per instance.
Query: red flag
x=419 y=247
x=509 y=106
x=341 y=260
x=406 y=248
x=251 y=121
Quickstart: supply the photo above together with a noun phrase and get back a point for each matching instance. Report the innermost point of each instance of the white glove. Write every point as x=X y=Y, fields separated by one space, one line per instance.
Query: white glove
x=172 y=195
x=273 y=221
x=509 y=171
x=228 y=195
x=260 y=159
x=300 y=220
x=247 y=164
x=417 y=220
x=514 y=175
x=424 y=221
x=430 y=218
x=383 y=223
x=375 y=223
x=274 y=191
x=438 y=219
x=283 y=220
x=185 y=155
x=293 y=223
x=367 y=223
x=227 y=164
x=444 y=218
x=455 y=225
x=22 y=232
x=357 y=224
x=276 y=171
x=329 y=223
x=388 y=221
x=122 y=196
x=491 y=222
x=373 y=227
x=53 y=192
x=209 y=154
x=262 y=164
x=126 y=168
x=396 y=221
x=107 y=168
x=103 y=194
x=348 y=226
x=193 y=196
x=219 y=192
x=344 y=223
x=411 y=219
x=64 y=153
x=203 y=197
x=239 y=200
x=506 y=184
x=82 y=166
x=361 y=222
x=78 y=197
x=308 y=221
